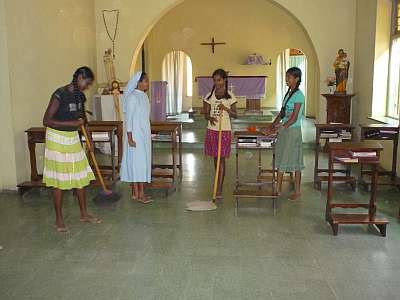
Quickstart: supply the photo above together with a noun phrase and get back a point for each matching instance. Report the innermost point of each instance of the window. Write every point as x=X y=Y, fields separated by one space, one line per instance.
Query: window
x=394 y=80
x=392 y=106
x=177 y=71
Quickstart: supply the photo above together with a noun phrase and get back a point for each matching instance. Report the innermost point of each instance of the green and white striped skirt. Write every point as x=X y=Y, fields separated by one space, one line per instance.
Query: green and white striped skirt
x=65 y=166
x=289 y=150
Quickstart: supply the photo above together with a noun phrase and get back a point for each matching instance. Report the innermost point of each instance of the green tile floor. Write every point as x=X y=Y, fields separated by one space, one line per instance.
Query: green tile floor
x=160 y=251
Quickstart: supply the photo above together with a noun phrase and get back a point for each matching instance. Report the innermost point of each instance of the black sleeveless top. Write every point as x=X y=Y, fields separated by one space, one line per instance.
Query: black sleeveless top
x=72 y=106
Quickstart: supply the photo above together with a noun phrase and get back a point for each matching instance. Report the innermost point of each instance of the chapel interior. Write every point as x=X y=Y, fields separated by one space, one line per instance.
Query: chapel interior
x=339 y=240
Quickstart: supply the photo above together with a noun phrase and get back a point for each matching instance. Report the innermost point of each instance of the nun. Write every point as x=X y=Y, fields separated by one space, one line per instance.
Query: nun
x=136 y=158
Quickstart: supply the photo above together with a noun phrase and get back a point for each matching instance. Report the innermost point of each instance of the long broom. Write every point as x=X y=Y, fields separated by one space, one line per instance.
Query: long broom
x=106 y=196
x=210 y=205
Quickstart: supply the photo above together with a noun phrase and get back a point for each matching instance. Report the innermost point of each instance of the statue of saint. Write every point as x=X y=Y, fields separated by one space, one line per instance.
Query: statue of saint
x=109 y=67
x=341 y=66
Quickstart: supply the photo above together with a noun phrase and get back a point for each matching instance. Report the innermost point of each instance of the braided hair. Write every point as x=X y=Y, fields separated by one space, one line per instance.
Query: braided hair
x=85 y=73
x=224 y=75
x=296 y=73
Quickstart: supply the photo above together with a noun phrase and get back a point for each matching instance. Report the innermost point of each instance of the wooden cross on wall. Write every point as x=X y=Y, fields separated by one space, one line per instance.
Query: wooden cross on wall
x=213 y=44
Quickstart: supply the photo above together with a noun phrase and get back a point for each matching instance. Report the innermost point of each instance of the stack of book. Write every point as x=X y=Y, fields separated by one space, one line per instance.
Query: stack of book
x=347 y=159
x=372 y=133
x=354 y=157
x=247 y=141
x=345 y=135
x=265 y=142
x=364 y=155
x=329 y=134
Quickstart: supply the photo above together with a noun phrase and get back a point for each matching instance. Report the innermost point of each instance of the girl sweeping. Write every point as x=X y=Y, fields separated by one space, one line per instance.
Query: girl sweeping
x=136 y=158
x=289 y=144
x=219 y=102
x=66 y=166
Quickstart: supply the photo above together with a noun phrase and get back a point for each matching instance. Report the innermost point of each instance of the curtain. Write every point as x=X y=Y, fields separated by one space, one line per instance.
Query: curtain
x=173 y=70
x=282 y=66
x=300 y=61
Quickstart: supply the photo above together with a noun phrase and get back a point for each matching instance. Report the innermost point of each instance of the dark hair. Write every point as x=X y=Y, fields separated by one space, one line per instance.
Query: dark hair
x=85 y=73
x=223 y=74
x=144 y=74
x=296 y=73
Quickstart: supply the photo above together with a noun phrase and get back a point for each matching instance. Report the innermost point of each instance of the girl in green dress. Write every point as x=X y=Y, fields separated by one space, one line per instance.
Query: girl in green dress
x=287 y=124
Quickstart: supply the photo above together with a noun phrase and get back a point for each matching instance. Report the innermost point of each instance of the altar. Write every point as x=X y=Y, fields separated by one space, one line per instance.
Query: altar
x=252 y=88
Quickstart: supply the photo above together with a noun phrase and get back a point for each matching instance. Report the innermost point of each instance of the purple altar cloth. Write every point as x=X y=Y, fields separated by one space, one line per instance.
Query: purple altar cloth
x=158 y=100
x=251 y=87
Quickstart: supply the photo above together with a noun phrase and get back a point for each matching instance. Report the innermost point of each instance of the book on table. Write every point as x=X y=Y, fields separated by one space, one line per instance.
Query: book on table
x=328 y=134
x=335 y=140
x=363 y=154
x=347 y=159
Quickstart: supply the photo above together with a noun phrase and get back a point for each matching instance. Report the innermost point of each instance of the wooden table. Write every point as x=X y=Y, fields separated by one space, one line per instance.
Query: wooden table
x=170 y=132
x=242 y=188
x=37 y=135
x=380 y=132
x=320 y=134
x=166 y=128
x=341 y=150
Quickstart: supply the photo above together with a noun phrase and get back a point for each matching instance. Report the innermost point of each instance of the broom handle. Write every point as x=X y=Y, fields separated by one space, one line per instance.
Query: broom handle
x=96 y=166
x=218 y=156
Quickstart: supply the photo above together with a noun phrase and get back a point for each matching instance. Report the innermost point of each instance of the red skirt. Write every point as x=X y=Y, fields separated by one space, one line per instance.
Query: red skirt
x=211 y=143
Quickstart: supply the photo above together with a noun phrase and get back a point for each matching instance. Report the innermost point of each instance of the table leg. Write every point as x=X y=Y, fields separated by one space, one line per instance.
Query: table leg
x=317 y=146
x=32 y=156
x=259 y=168
x=174 y=155
x=316 y=185
x=330 y=189
x=273 y=171
x=237 y=179
x=394 y=159
x=112 y=138
x=180 y=150
x=372 y=203
x=120 y=133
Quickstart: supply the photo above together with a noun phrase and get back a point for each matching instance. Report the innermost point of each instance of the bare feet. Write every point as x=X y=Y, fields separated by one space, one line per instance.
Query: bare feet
x=294 y=196
x=90 y=219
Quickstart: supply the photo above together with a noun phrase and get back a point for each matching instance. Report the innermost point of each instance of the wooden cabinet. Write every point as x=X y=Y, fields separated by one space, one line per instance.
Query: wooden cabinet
x=338 y=108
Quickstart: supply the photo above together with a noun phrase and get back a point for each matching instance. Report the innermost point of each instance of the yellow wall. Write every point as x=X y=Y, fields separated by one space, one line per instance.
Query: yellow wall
x=7 y=150
x=46 y=41
x=364 y=59
x=265 y=28
x=329 y=24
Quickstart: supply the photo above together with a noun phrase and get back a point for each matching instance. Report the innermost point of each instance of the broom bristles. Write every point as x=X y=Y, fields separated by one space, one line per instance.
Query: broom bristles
x=105 y=198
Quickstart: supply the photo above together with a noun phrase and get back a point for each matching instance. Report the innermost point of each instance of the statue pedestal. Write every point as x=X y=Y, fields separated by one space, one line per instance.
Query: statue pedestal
x=338 y=108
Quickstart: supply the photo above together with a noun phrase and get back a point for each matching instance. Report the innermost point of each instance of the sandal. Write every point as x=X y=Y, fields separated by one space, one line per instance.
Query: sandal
x=144 y=200
x=294 y=197
x=62 y=229
x=91 y=220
